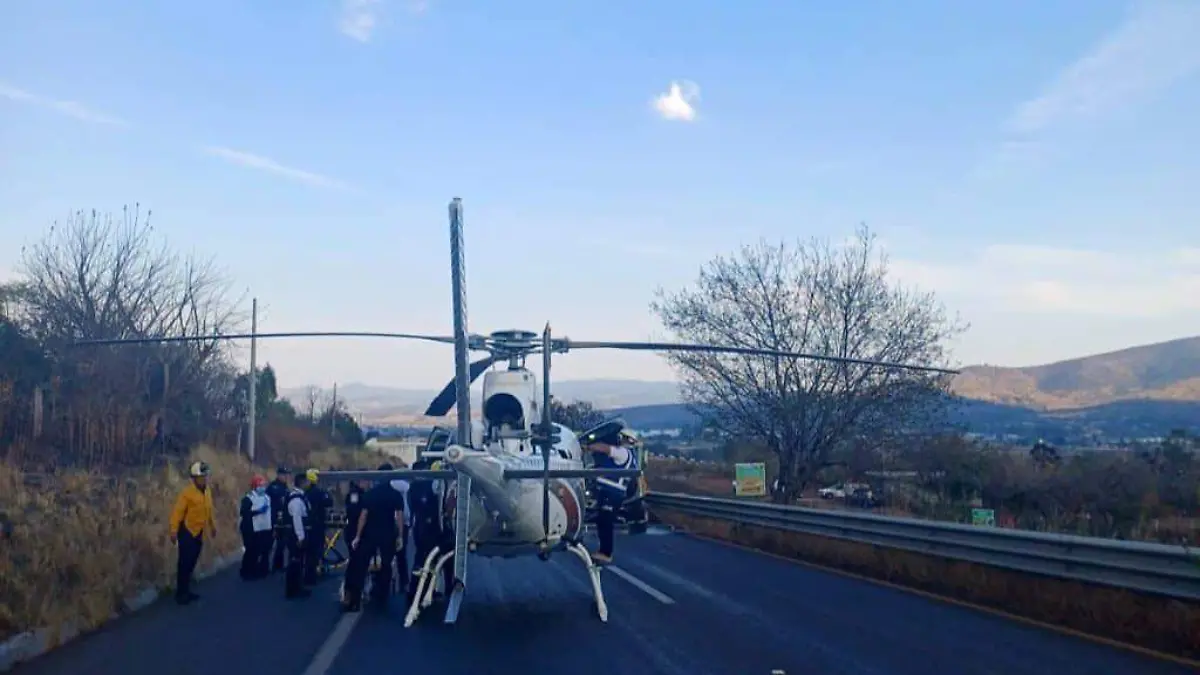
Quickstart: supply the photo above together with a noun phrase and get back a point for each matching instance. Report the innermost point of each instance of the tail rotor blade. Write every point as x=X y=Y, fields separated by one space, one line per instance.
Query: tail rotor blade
x=448 y=396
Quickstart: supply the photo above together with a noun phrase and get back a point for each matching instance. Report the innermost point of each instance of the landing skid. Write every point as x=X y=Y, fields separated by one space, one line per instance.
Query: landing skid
x=594 y=575
x=431 y=571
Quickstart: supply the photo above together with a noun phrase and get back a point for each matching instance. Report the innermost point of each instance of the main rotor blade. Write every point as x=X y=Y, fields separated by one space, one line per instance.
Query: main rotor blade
x=446 y=398
x=260 y=336
x=538 y=474
x=331 y=477
x=716 y=349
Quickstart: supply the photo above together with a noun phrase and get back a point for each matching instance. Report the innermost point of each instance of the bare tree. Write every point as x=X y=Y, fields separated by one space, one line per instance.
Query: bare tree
x=578 y=416
x=814 y=298
x=100 y=276
x=313 y=397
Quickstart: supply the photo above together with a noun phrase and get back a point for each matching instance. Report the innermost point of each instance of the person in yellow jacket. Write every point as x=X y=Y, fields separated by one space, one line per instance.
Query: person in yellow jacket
x=191 y=520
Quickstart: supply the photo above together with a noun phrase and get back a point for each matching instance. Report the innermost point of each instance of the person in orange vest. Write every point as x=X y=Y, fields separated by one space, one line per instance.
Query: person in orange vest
x=191 y=520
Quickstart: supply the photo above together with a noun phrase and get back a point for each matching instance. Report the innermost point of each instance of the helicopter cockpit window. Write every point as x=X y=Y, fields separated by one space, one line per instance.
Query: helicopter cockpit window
x=504 y=409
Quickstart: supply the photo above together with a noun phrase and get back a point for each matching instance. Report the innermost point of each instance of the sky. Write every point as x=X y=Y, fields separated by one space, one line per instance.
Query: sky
x=1033 y=163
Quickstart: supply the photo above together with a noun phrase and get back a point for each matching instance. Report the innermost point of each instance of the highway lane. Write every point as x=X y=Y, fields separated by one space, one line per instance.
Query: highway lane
x=235 y=628
x=678 y=605
x=731 y=612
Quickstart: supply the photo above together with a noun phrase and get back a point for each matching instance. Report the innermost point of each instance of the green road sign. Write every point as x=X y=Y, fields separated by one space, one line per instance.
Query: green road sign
x=750 y=480
x=983 y=517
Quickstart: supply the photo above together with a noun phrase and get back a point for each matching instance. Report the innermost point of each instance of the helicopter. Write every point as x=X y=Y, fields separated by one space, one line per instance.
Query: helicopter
x=515 y=481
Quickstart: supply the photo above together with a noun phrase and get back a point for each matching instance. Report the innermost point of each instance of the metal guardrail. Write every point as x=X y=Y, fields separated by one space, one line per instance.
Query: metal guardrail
x=1173 y=571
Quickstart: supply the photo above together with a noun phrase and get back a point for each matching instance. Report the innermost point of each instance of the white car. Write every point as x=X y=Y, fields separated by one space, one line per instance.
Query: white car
x=832 y=492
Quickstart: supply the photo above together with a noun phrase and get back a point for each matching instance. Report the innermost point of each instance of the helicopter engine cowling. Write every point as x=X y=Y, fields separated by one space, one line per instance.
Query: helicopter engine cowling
x=510 y=407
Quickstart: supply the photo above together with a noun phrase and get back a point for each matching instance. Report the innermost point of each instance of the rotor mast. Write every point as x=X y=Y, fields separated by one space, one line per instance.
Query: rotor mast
x=458 y=289
x=462 y=390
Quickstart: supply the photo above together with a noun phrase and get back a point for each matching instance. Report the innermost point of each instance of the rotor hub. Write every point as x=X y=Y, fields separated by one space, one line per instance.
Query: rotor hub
x=513 y=342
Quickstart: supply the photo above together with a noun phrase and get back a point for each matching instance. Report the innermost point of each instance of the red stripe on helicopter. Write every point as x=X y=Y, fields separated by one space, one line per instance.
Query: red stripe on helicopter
x=570 y=503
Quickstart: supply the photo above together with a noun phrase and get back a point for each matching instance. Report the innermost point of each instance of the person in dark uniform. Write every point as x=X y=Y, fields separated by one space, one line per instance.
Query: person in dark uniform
x=425 y=515
x=380 y=530
x=353 y=506
x=610 y=453
x=277 y=492
x=320 y=502
x=295 y=538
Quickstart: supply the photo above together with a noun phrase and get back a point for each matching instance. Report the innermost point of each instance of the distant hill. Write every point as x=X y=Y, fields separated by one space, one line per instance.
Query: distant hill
x=1150 y=388
x=1109 y=422
x=404 y=405
x=1166 y=371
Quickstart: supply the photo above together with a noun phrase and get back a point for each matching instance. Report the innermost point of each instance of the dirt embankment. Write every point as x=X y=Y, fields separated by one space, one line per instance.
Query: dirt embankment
x=75 y=545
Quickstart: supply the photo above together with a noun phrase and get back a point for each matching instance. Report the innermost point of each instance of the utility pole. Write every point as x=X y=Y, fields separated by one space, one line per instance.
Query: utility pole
x=333 y=414
x=253 y=378
x=162 y=406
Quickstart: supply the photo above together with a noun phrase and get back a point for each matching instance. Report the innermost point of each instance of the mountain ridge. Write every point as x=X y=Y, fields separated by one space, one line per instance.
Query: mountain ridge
x=1161 y=371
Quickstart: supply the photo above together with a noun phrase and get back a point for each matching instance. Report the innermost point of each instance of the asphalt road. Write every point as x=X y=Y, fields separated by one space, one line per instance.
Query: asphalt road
x=678 y=606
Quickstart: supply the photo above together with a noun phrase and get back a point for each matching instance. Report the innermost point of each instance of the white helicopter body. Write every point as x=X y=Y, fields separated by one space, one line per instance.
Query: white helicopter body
x=505 y=517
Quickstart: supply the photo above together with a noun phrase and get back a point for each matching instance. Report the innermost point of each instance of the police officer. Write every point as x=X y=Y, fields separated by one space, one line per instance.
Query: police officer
x=353 y=507
x=320 y=502
x=380 y=530
x=424 y=514
x=277 y=492
x=615 y=453
x=295 y=538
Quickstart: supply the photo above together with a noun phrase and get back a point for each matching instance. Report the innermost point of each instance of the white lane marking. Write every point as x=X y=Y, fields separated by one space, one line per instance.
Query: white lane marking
x=641 y=585
x=333 y=644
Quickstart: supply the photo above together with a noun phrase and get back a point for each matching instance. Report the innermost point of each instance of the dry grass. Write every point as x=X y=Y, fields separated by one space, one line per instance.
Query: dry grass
x=1153 y=622
x=693 y=478
x=79 y=543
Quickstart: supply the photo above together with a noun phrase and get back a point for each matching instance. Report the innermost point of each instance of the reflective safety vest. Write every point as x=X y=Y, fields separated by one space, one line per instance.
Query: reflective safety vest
x=612 y=490
x=288 y=521
x=259 y=522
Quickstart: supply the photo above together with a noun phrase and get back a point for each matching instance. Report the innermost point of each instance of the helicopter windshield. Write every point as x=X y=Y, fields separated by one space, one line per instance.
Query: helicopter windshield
x=504 y=409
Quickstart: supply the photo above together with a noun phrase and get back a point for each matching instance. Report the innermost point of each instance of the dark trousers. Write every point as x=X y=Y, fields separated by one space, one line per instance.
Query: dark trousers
x=294 y=577
x=263 y=541
x=189 y=554
x=313 y=555
x=606 y=524
x=360 y=561
x=280 y=539
x=256 y=559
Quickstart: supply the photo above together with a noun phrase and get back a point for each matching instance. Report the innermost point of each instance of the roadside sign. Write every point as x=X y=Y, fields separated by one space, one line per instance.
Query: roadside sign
x=750 y=479
x=983 y=517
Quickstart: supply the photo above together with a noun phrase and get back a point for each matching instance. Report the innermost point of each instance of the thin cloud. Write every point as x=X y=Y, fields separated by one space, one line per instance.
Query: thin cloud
x=359 y=18
x=1047 y=280
x=68 y=108
x=678 y=102
x=261 y=163
x=1152 y=50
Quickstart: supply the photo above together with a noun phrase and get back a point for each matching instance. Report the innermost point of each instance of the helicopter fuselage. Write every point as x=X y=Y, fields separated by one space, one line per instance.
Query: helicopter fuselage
x=506 y=514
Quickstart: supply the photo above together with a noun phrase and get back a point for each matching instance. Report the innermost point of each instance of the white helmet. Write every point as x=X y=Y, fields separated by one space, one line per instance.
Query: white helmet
x=199 y=469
